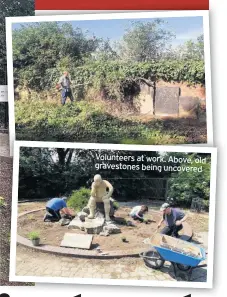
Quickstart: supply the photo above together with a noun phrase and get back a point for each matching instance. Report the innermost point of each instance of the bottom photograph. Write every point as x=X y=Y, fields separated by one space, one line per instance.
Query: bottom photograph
x=113 y=214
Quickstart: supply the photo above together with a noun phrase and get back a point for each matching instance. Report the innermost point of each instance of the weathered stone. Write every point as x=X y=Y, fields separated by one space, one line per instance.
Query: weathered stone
x=111 y=228
x=80 y=241
x=144 y=102
x=64 y=222
x=104 y=233
x=167 y=101
x=189 y=106
x=86 y=210
x=90 y=226
x=82 y=215
x=130 y=223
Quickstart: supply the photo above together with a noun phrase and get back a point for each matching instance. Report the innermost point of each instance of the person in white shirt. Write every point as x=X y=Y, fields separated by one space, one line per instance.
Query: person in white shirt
x=138 y=212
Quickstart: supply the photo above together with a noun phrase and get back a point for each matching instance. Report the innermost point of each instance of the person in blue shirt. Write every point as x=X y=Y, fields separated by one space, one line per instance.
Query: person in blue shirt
x=54 y=207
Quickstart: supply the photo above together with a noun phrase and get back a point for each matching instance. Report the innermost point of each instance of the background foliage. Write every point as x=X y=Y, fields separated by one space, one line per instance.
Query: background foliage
x=49 y=172
x=11 y=8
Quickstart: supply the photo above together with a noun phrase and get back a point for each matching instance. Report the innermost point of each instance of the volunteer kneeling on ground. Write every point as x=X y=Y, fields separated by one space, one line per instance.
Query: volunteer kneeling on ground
x=53 y=208
x=138 y=212
x=173 y=219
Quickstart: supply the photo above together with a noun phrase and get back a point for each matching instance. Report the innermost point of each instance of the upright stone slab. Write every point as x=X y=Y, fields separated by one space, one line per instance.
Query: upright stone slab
x=144 y=101
x=167 y=101
x=80 y=241
x=188 y=106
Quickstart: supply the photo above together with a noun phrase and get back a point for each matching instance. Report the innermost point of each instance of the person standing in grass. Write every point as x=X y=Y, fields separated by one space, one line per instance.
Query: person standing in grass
x=138 y=212
x=64 y=84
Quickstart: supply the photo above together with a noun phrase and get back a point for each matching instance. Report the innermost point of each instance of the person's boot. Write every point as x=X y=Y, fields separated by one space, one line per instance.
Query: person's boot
x=46 y=218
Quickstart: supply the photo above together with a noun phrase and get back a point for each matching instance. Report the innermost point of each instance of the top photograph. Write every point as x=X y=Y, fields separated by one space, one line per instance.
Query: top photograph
x=124 y=78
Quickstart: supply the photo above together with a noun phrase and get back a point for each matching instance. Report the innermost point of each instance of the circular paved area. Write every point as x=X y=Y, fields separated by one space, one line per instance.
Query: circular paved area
x=47 y=265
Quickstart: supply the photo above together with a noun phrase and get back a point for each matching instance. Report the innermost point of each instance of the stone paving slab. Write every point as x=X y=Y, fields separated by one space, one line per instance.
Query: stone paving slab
x=41 y=264
x=80 y=241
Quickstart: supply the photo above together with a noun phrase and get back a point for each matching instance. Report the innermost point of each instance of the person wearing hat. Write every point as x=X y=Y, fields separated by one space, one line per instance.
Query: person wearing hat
x=54 y=207
x=64 y=84
x=173 y=218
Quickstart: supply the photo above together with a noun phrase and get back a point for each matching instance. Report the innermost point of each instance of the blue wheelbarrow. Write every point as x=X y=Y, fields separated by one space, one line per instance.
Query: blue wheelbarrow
x=183 y=256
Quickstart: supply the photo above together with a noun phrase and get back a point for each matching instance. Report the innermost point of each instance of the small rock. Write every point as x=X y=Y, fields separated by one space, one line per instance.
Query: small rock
x=105 y=233
x=64 y=222
x=111 y=228
x=129 y=223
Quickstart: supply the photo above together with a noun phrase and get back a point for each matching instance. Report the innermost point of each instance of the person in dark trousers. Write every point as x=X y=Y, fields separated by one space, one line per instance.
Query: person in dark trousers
x=64 y=84
x=173 y=219
x=53 y=209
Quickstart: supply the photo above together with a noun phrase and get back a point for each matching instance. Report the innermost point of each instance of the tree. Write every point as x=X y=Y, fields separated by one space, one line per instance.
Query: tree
x=105 y=52
x=145 y=41
x=10 y=8
x=192 y=50
x=40 y=51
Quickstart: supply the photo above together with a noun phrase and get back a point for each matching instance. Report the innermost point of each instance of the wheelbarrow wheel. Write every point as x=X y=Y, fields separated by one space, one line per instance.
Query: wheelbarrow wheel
x=183 y=267
x=153 y=260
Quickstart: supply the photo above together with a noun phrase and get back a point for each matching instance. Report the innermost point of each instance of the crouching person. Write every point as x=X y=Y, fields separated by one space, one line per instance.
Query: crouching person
x=173 y=219
x=54 y=207
x=138 y=212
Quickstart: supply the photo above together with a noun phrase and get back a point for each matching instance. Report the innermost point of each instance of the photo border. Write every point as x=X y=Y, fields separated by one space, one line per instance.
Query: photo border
x=98 y=281
x=107 y=16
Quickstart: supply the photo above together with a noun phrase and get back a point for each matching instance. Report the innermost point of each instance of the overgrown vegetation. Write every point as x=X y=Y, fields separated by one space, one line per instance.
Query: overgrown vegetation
x=42 y=51
x=45 y=121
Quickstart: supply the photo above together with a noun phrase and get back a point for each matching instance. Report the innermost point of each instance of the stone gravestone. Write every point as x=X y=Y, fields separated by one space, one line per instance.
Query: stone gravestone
x=188 y=106
x=80 y=241
x=145 y=99
x=167 y=101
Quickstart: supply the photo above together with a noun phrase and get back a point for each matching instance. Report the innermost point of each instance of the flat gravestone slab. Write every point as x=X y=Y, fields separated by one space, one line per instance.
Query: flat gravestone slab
x=167 y=101
x=80 y=241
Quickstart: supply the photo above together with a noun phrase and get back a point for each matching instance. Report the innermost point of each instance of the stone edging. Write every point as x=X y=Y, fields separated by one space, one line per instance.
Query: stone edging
x=69 y=252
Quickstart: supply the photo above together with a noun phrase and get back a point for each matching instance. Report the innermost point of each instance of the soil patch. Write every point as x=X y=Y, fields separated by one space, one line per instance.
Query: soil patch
x=53 y=233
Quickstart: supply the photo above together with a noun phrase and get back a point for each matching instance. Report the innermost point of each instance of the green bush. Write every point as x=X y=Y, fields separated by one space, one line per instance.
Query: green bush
x=116 y=205
x=184 y=186
x=79 y=199
x=33 y=235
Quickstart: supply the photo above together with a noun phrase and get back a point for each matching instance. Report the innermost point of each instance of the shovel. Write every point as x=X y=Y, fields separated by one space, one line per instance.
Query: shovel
x=149 y=239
